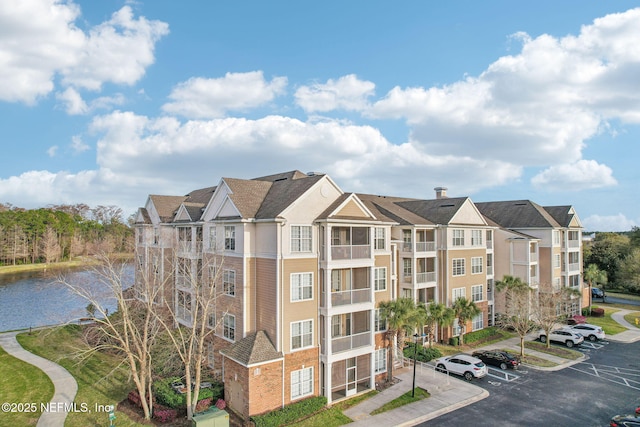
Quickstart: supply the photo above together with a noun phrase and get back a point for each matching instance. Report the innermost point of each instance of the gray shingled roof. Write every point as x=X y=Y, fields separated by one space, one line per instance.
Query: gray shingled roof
x=387 y=208
x=201 y=195
x=145 y=216
x=560 y=214
x=247 y=195
x=255 y=348
x=283 y=193
x=438 y=211
x=195 y=210
x=517 y=214
x=166 y=206
x=291 y=175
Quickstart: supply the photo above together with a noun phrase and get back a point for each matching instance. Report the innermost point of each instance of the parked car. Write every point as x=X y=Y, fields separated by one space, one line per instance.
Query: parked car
x=462 y=364
x=589 y=331
x=501 y=359
x=597 y=293
x=565 y=336
x=625 y=421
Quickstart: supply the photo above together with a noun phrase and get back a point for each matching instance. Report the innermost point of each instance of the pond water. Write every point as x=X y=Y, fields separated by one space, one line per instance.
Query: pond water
x=40 y=299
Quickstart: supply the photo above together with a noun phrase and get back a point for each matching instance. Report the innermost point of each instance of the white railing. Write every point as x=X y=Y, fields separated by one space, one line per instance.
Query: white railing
x=350 y=251
x=574 y=266
x=490 y=270
x=407 y=247
x=533 y=257
x=429 y=276
x=573 y=243
x=350 y=297
x=350 y=342
x=425 y=246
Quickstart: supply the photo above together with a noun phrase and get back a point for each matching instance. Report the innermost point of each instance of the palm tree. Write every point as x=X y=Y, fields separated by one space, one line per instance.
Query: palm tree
x=398 y=316
x=592 y=274
x=437 y=314
x=464 y=310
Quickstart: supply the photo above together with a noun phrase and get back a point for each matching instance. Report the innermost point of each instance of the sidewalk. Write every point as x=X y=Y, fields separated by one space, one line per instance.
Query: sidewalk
x=65 y=385
x=632 y=334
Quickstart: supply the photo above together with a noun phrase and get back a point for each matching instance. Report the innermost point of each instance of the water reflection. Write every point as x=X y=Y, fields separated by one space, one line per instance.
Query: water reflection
x=38 y=299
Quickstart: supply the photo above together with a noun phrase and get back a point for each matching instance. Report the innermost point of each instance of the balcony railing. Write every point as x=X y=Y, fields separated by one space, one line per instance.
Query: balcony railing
x=426 y=277
x=574 y=266
x=490 y=270
x=350 y=297
x=573 y=243
x=533 y=257
x=350 y=342
x=350 y=251
x=407 y=247
x=187 y=247
x=489 y=244
x=425 y=246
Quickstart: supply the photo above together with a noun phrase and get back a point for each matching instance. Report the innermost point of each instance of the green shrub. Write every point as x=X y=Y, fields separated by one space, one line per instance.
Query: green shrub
x=291 y=413
x=424 y=354
x=476 y=336
x=167 y=396
x=455 y=341
x=597 y=312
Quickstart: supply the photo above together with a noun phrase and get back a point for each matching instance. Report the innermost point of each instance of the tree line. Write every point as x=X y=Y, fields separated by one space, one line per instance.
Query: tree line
x=61 y=232
x=617 y=255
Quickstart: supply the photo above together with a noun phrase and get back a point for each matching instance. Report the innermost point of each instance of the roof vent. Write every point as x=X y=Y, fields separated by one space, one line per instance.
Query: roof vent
x=441 y=192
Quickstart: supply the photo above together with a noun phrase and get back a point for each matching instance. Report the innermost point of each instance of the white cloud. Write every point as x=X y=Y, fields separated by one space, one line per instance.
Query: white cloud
x=51 y=151
x=200 y=98
x=581 y=175
x=40 y=40
x=77 y=145
x=347 y=92
x=617 y=222
x=74 y=104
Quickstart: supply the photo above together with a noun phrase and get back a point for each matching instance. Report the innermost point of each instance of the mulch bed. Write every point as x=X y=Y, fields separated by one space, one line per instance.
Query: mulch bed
x=136 y=414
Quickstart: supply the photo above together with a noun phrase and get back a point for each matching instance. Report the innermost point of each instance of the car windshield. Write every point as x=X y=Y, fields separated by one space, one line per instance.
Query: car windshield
x=479 y=364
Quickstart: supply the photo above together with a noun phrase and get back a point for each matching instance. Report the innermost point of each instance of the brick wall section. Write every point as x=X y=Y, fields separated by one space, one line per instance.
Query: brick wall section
x=265 y=385
x=296 y=361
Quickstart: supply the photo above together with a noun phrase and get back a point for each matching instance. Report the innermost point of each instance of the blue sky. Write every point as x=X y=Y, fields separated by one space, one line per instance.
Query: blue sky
x=106 y=102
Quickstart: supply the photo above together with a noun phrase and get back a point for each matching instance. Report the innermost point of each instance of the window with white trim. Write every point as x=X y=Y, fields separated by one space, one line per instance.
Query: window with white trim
x=379 y=238
x=211 y=320
x=210 y=355
x=229 y=327
x=301 y=334
x=379 y=324
x=301 y=383
x=556 y=237
x=380 y=278
x=406 y=267
x=230 y=238
x=213 y=238
x=300 y=238
x=380 y=360
x=458 y=238
x=476 y=293
x=458 y=293
x=476 y=237
x=229 y=282
x=456 y=327
x=476 y=264
x=478 y=322
x=556 y=260
x=458 y=267
x=301 y=286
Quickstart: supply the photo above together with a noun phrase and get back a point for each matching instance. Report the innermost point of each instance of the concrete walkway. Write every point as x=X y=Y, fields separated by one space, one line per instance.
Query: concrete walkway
x=632 y=334
x=65 y=385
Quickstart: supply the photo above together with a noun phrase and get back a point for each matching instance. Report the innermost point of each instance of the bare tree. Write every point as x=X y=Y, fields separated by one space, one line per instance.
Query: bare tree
x=551 y=307
x=129 y=332
x=50 y=246
x=518 y=307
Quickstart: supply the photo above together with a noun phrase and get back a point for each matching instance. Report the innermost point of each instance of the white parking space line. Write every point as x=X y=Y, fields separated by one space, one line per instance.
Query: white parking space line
x=591 y=345
x=624 y=376
x=502 y=375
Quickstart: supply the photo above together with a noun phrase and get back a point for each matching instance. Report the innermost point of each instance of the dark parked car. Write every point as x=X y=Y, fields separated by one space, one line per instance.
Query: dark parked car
x=501 y=359
x=597 y=293
x=625 y=421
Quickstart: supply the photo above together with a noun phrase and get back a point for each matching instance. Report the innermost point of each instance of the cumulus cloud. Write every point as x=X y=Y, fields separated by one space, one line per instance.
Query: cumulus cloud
x=39 y=40
x=200 y=98
x=581 y=175
x=617 y=222
x=52 y=151
x=77 y=145
x=73 y=102
x=347 y=93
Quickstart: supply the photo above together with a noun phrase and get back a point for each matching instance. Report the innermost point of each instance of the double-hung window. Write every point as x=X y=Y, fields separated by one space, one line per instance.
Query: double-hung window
x=380 y=278
x=379 y=239
x=380 y=360
x=459 y=293
x=230 y=238
x=301 y=286
x=229 y=327
x=476 y=237
x=478 y=322
x=476 y=293
x=300 y=238
x=379 y=323
x=458 y=267
x=476 y=265
x=301 y=334
x=301 y=383
x=229 y=282
x=458 y=238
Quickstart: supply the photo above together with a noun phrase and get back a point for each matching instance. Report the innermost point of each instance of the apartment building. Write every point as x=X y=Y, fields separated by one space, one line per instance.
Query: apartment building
x=302 y=265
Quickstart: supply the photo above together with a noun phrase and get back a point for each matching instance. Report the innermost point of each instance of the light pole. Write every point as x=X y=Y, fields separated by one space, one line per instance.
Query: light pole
x=415 y=353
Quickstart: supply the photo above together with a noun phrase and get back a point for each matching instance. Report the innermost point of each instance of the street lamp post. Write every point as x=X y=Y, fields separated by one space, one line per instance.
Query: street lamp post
x=415 y=353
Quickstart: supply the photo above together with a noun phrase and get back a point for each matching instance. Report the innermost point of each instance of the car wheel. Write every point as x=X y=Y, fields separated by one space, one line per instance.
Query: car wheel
x=543 y=338
x=441 y=368
x=569 y=343
x=592 y=338
x=468 y=376
x=503 y=366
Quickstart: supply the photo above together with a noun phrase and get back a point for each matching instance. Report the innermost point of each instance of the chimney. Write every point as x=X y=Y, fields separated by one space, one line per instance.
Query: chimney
x=441 y=192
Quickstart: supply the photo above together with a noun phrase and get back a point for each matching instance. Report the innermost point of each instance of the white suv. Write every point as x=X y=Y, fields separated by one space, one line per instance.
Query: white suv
x=589 y=331
x=462 y=364
x=566 y=336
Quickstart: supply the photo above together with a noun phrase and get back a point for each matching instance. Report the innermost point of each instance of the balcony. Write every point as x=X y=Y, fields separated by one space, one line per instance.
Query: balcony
x=350 y=342
x=425 y=246
x=350 y=297
x=339 y=252
x=573 y=243
x=533 y=257
x=574 y=266
x=426 y=277
x=189 y=247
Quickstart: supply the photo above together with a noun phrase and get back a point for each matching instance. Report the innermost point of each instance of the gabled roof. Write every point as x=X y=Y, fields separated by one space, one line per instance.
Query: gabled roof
x=253 y=349
x=166 y=206
x=247 y=195
x=387 y=209
x=438 y=211
x=202 y=195
x=518 y=214
x=283 y=192
x=564 y=215
x=291 y=175
x=194 y=210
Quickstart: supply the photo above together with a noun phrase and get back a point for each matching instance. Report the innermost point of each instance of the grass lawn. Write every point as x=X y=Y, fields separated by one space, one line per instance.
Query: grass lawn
x=565 y=353
x=623 y=295
x=333 y=416
x=405 y=399
x=532 y=360
x=22 y=383
x=100 y=380
x=631 y=317
x=608 y=325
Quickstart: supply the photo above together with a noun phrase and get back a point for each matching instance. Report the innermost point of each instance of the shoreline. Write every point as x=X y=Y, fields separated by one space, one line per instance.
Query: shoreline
x=77 y=262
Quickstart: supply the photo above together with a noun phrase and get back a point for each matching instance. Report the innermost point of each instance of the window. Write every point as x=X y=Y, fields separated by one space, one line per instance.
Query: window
x=301 y=383
x=556 y=260
x=380 y=360
x=230 y=238
x=379 y=324
x=458 y=267
x=406 y=267
x=213 y=238
x=229 y=282
x=476 y=237
x=213 y=272
x=211 y=320
x=210 y=356
x=229 y=327
x=476 y=293
x=556 y=237
x=380 y=278
x=476 y=265
x=336 y=281
x=456 y=328
x=458 y=237
x=156 y=266
x=379 y=239
x=478 y=322
x=140 y=262
x=301 y=286
x=156 y=236
x=458 y=293
x=301 y=334
x=300 y=238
